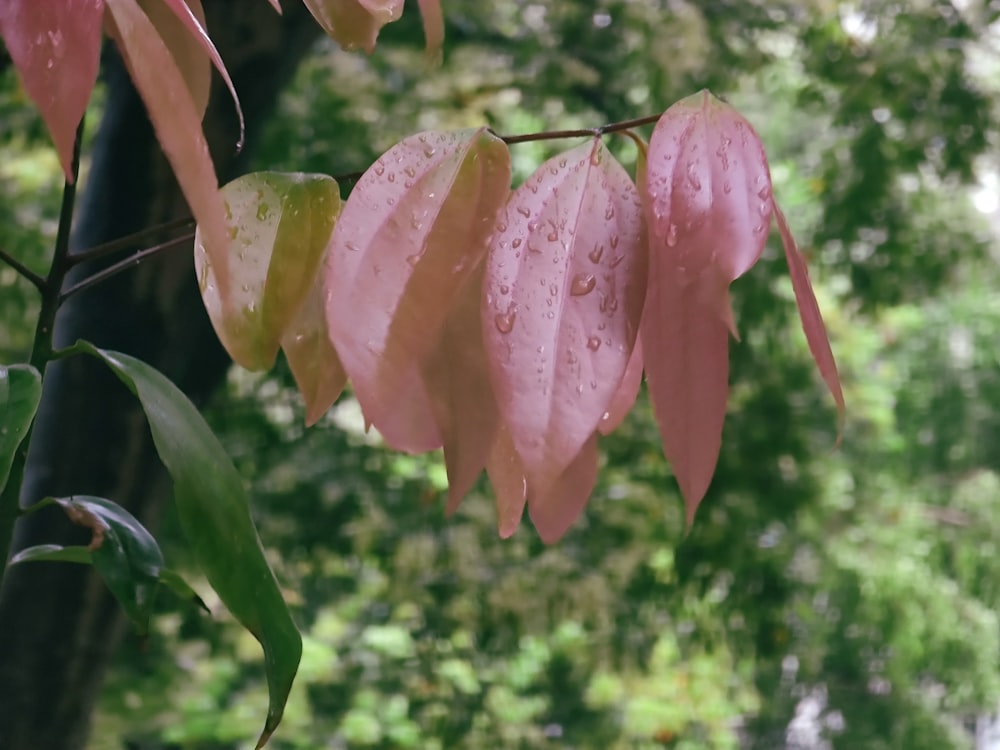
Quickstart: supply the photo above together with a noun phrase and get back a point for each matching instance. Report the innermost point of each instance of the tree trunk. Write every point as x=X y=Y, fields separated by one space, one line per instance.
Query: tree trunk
x=58 y=623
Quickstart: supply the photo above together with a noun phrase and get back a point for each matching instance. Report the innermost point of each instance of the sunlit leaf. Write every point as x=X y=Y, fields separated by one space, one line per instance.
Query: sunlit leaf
x=564 y=293
x=411 y=235
x=176 y=120
x=433 y=18
x=812 y=319
x=707 y=197
x=20 y=391
x=458 y=383
x=314 y=363
x=214 y=512
x=279 y=227
x=354 y=24
x=56 y=47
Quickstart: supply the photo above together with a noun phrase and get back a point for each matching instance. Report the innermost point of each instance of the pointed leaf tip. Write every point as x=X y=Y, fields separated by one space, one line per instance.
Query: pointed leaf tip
x=811 y=317
x=354 y=23
x=57 y=52
x=555 y=511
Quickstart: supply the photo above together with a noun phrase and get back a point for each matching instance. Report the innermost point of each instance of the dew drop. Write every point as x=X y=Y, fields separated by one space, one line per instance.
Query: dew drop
x=501 y=227
x=263 y=210
x=504 y=289
x=552 y=237
x=533 y=249
x=410 y=172
x=553 y=290
x=672 y=235
x=614 y=241
x=391 y=177
x=524 y=211
x=505 y=321
x=596 y=254
x=693 y=178
x=583 y=283
x=413 y=259
x=609 y=213
x=516 y=243
x=765 y=209
x=594 y=343
x=764 y=193
x=379 y=170
x=351 y=246
x=429 y=151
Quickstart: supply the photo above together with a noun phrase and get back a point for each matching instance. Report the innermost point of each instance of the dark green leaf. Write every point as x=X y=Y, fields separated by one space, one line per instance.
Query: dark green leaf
x=214 y=512
x=173 y=581
x=20 y=390
x=53 y=553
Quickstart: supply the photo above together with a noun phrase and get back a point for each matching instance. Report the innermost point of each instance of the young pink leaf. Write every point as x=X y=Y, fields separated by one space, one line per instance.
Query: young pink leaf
x=812 y=319
x=385 y=11
x=707 y=199
x=458 y=382
x=411 y=235
x=628 y=391
x=564 y=292
x=510 y=488
x=176 y=121
x=350 y=22
x=190 y=56
x=555 y=510
x=314 y=363
x=430 y=12
x=192 y=18
x=279 y=226
x=55 y=45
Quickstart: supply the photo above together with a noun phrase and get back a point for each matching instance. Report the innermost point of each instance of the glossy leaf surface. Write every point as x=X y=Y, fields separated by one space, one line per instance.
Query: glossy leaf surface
x=214 y=512
x=279 y=225
x=564 y=294
x=175 y=119
x=55 y=45
x=411 y=235
x=707 y=196
x=20 y=391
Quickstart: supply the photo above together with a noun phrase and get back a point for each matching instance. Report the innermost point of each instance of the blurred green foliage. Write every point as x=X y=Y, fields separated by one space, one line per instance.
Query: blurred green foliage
x=826 y=596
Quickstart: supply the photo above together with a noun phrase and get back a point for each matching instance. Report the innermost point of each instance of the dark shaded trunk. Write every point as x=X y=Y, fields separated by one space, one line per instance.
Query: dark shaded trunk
x=58 y=624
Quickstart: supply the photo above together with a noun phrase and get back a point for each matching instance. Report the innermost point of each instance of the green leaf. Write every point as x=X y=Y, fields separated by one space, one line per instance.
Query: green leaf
x=214 y=512
x=279 y=226
x=173 y=581
x=53 y=553
x=20 y=390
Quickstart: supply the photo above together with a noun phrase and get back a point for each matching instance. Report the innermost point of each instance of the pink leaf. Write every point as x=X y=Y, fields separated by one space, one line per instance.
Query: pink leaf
x=276 y=5
x=430 y=12
x=192 y=18
x=708 y=206
x=279 y=227
x=628 y=391
x=411 y=235
x=55 y=45
x=351 y=23
x=564 y=292
x=509 y=486
x=176 y=122
x=314 y=363
x=385 y=11
x=555 y=510
x=812 y=319
x=190 y=56
x=458 y=382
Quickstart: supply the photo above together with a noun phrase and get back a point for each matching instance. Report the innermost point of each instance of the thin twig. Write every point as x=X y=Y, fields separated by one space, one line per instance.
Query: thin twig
x=126 y=242
x=37 y=281
x=123 y=265
x=551 y=135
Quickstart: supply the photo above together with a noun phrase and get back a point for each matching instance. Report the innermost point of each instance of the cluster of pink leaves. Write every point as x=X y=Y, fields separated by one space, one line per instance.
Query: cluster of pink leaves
x=56 y=44
x=513 y=328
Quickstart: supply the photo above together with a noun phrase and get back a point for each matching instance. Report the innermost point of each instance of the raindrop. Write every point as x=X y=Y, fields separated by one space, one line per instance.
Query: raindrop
x=524 y=211
x=504 y=289
x=594 y=343
x=413 y=259
x=764 y=193
x=552 y=237
x=351 y=246
x=609 y=214
x=596 y=253
x=505 y=321
x=765 y=209
x=501 y=227
x=553 y=290
x=693 y=176
x=672 y=235
x=726 y=187
x=614 y=241
x=616 y=261
x=533 y=249
x=379 y=170
x=429 y=151
x=583 y=283
x=262 y=211
x=516 y=243
x=410 y=172
x=391 y=177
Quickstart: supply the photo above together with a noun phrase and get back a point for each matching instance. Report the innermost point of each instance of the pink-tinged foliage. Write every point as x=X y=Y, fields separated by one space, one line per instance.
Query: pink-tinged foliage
x=410 y=237
x=812 y=319
x=708 y=205
x=55 y=45
x=628 y=391
x=280 y=225
x=433 y=18
x=314 y=363
x=176 y=121
x=191 y=16
x=564 y=290
x=510 y=489
x=458 y=383
x=351 y=23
